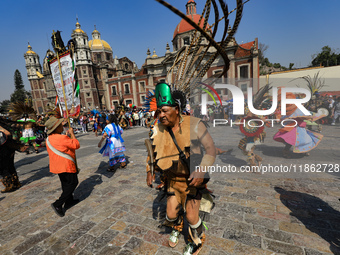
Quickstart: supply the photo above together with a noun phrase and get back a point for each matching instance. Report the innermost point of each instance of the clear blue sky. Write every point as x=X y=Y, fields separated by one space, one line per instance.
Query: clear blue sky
x=294 y=30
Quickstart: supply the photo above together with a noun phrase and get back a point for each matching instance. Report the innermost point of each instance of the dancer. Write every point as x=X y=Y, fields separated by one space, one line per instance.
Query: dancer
x=253 y=127
x=177 y=140
x=114 y=145
x=61 y=151
x=28 y=135
x=96 y=124
x=177 y=137
x=8 y=146
x=295 y=134
x=24 y=113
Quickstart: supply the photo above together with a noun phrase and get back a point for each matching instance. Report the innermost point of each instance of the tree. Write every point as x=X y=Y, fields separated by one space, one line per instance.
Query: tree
x=277 y=65
x=4 y=106
x=291 y=66
x=327 y=57
x=19 y=93
x=262 y=49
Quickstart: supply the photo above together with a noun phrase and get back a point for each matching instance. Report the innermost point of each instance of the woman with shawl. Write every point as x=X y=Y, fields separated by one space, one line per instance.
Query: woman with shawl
x=114 y=145
x=294 y=133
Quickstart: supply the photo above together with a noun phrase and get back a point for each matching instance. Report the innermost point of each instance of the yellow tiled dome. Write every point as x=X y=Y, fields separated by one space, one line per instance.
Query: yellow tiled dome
x=78 y=29
x=98 y=44
x=30 y=51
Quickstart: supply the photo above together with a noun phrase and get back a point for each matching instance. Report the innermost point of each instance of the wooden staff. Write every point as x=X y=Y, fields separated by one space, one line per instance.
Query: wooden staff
x=62 y=85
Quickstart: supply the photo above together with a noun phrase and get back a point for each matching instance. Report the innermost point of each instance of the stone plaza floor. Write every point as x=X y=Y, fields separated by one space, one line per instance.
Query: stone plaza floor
x=296 y=213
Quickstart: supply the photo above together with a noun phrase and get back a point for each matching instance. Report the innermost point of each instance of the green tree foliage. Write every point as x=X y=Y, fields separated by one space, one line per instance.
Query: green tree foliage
x=262 y=50
x=327 y=57
x=19 y=93
x=277 y=65
x=4 y=106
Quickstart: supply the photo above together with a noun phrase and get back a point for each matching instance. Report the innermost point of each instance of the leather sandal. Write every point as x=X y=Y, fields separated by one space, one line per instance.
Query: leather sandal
x=174 y=238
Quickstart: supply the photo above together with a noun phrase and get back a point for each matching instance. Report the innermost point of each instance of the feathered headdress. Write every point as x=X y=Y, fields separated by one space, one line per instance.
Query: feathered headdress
x=262 y=99
x=22 y=111
x=150 y=101
x=193 y=61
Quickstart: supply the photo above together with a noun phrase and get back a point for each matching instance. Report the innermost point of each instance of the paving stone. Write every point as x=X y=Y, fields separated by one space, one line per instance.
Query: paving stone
x=251 y=215
x=242 y=237
x=257 y=220
x=30 y=242
x=135 y=230
x=101 y=227
x=133 y=218
x=101 y=241
x=151 y=224
x=84 y=228
x=243 y=196
x=109 y=250
x=242 y=249
x=217 y=252
x=34 y=250
x=146 y=249
x=313 y=252
x=61 y=223
x=10 y=232
x=125 y=252
x=312 y=242
x=59 y=246
x=82 y=242
x=273 y=215
x=282 y=247
x=156 y=238
x=221 y=244
x=120 y=240
x=273 y=234
x=133 y=243
x=236 y=225
x=119 y=225
x=119 y=214
x=11 y=245
x=167 y=251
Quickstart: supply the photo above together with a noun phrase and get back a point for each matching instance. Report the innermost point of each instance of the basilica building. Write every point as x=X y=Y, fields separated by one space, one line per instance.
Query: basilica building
x=105 y=80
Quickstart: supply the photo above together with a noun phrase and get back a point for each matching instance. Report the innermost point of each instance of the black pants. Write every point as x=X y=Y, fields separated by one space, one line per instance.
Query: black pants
x=69 y=182
x=7 y=160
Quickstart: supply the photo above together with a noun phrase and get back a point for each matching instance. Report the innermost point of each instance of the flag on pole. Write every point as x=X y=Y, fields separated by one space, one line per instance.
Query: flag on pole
x=68 y=80
x=75 y=109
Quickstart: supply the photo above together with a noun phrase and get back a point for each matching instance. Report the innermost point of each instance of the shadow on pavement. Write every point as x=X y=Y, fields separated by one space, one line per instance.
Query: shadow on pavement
x=317 y=216
x=102 y=169
x=274 y=151
x=86 y=187
x=228 y=158
x=29 y=160
x=38 y=174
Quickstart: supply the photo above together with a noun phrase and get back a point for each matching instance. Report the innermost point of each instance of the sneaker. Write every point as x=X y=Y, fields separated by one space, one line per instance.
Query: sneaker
x=173 y=240
x=58 y=210
x=333 y=124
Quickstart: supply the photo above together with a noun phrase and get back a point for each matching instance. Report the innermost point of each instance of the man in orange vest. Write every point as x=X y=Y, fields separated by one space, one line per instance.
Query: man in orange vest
x=61 y=151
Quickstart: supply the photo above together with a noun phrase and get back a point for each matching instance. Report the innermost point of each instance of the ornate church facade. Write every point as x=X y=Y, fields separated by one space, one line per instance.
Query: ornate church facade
x=105 y=80
x=95 y=65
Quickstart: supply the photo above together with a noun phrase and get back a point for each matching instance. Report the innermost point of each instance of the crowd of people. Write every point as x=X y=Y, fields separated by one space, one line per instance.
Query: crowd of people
x=176 y=135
